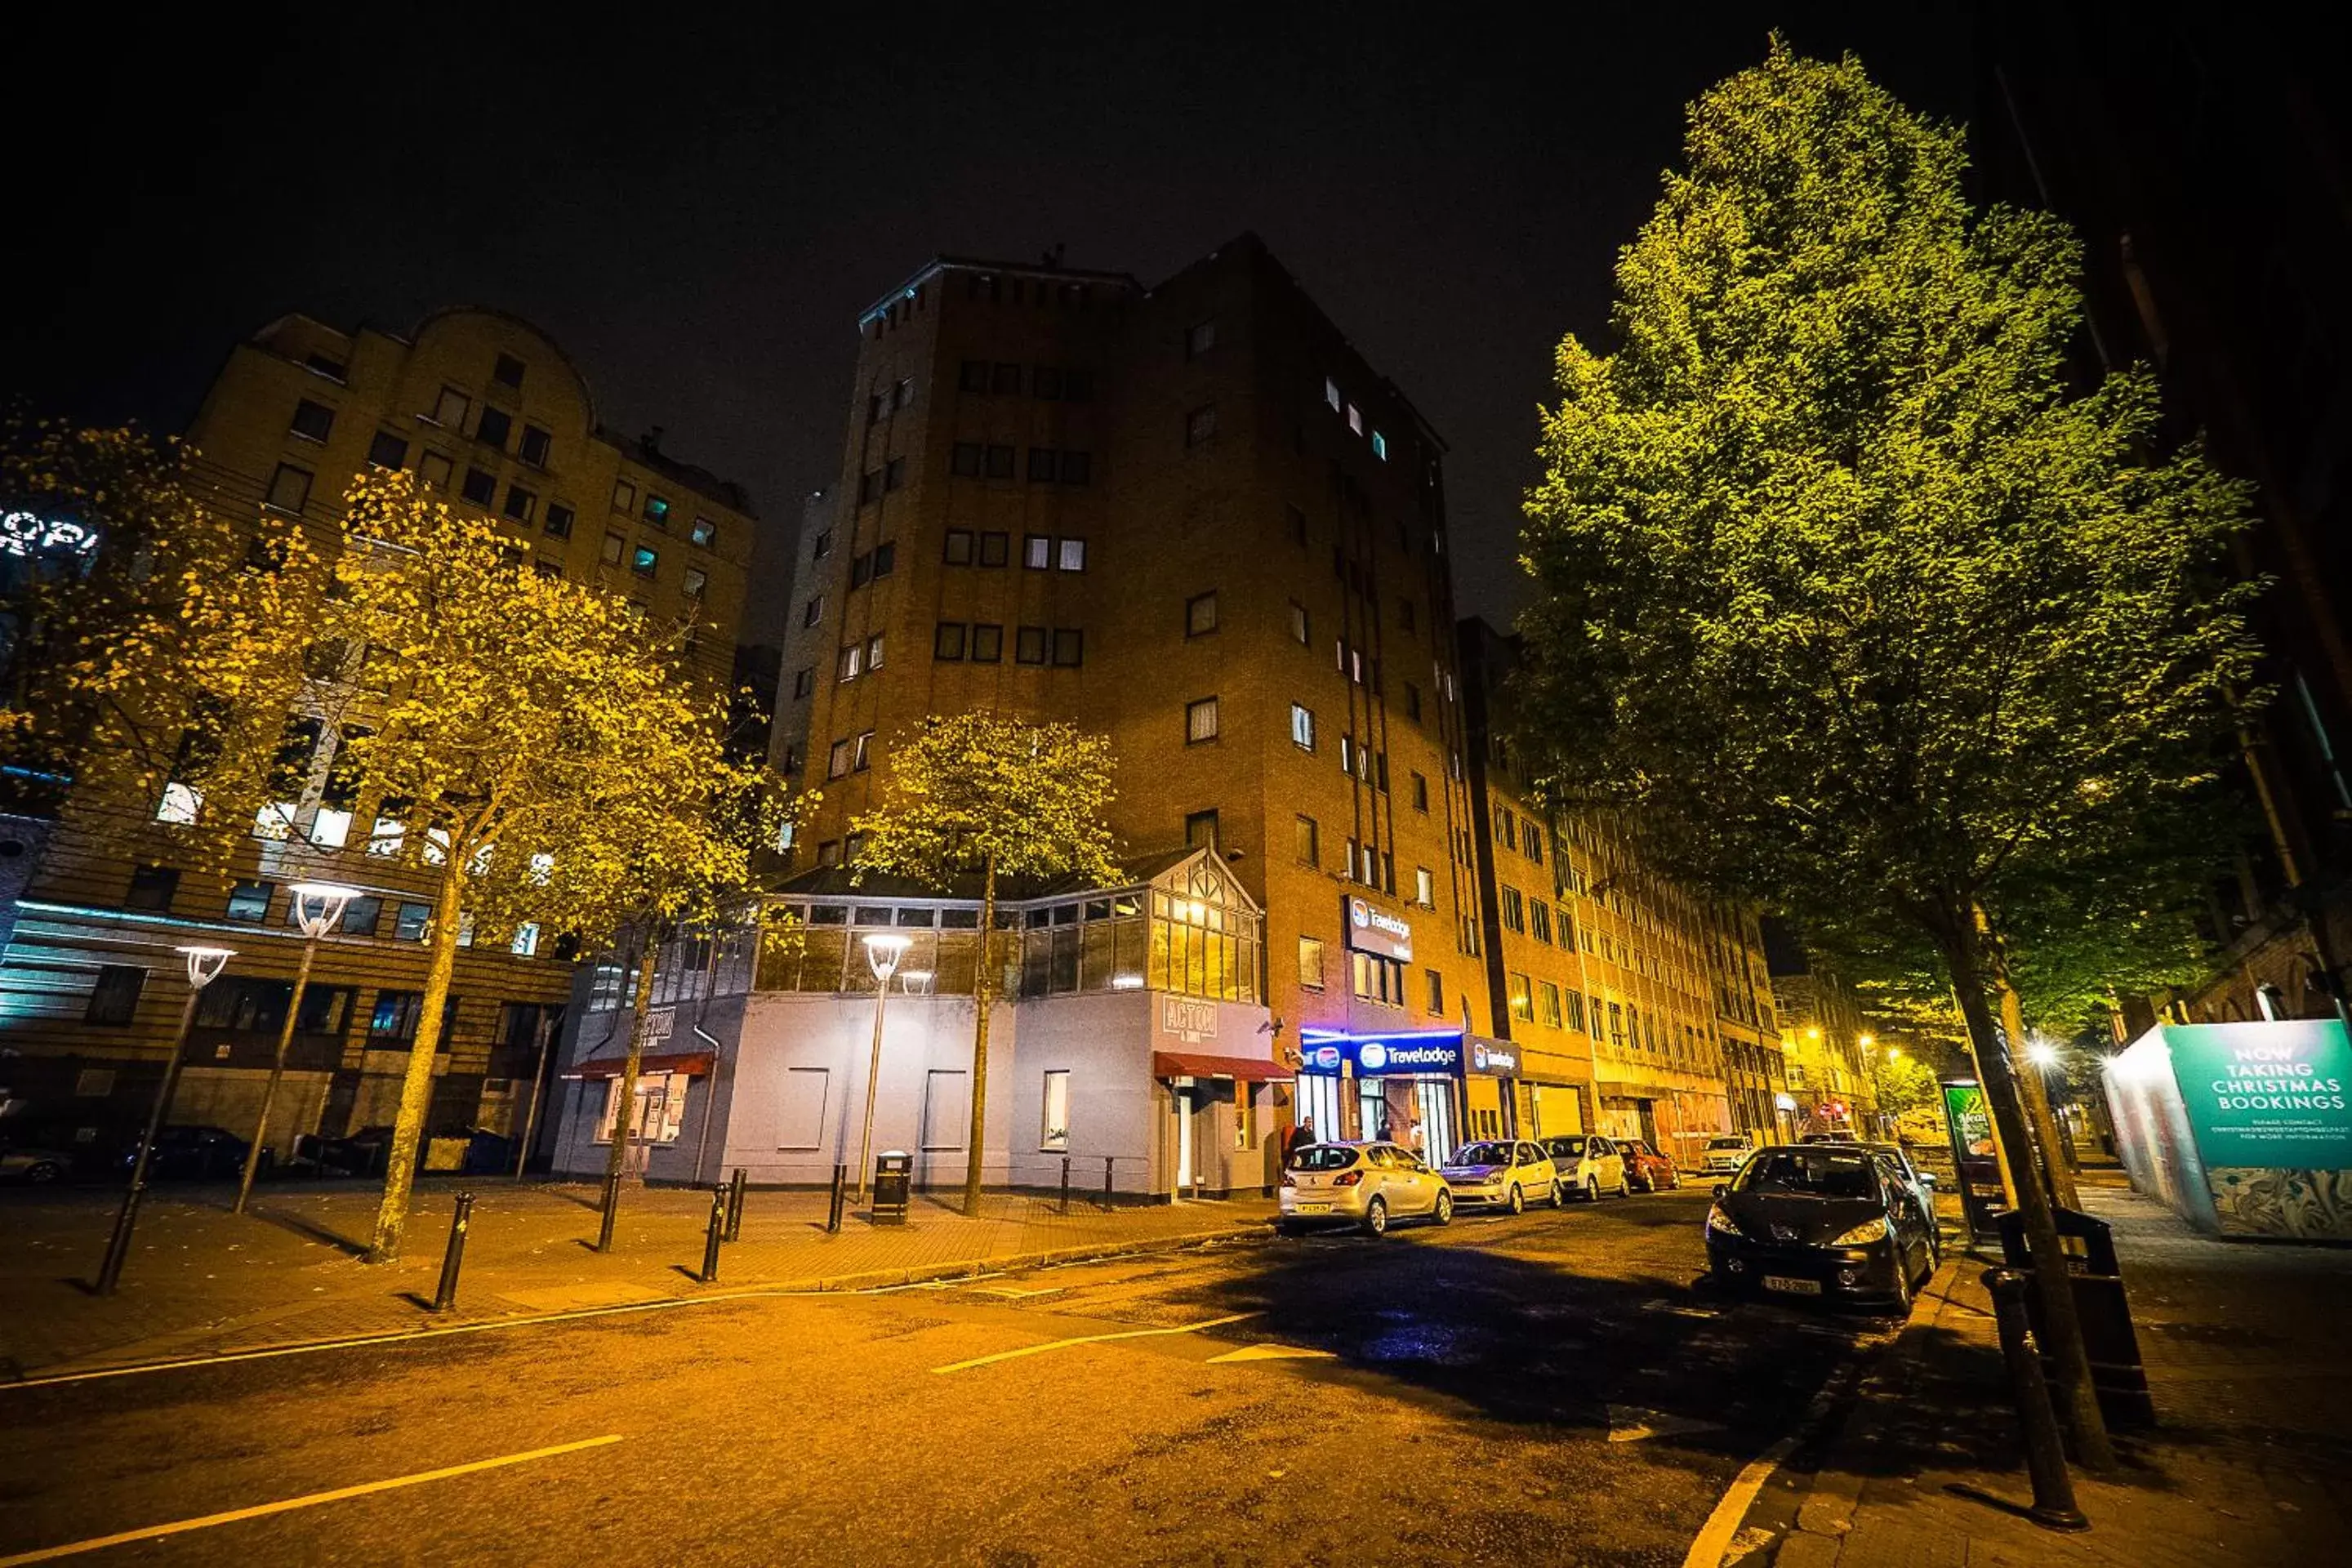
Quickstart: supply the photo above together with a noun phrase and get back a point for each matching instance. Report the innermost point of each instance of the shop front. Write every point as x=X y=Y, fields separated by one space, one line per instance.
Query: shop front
x=1403 y=1086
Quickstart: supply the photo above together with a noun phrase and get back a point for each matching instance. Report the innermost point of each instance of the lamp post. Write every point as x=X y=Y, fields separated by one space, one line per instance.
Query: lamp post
x=882 y=954
x=318 y=908
x=205 y=964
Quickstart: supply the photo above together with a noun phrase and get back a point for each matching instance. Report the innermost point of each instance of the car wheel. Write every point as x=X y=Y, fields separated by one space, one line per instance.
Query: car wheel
x=42 y=1172
x=1593 y=1189
x=1624 y=1187
x=1559 y=1194
x=1902 y=1308
x=1674 y=1181
x=1518 y=1202
x=1376 y=1217
x=1443 y=1212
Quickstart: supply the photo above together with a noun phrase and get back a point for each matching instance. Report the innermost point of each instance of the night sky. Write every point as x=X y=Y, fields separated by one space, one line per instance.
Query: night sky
x=698 y=214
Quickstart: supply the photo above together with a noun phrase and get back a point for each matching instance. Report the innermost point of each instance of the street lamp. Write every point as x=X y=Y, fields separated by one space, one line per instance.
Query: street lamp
x=882 y=955
x=318 y=910
x=205 y=965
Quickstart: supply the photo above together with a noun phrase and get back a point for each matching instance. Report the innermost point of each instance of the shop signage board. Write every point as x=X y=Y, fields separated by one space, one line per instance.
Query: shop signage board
x=1371 y=929
x=1392 y=1056
x=1494 y=1057
x=1187 y=1018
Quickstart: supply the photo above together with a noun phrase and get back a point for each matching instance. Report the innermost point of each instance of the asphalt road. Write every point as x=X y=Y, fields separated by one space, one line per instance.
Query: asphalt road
x=1547 y=1389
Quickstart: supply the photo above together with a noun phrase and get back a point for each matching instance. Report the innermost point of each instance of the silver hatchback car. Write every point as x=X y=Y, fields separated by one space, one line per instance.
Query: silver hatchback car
x=1367 y=1184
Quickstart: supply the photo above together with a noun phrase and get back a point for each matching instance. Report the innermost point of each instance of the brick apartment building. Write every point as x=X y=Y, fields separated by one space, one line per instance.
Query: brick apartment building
x=487 y=409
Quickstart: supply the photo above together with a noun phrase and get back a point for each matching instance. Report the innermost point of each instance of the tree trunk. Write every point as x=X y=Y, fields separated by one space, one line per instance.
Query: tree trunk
x=625 y=1103
x=416 y=1087
x=2035 y=1088
x=983 y=992
x=2064 y=1338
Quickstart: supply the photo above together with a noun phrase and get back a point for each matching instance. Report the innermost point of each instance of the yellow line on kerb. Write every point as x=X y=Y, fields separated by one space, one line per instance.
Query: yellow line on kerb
x=1081 y=1340
x=260 y=1510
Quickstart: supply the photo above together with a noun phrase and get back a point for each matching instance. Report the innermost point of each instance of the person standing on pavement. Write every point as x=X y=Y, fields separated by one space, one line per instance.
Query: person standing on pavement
x=1300 y=1137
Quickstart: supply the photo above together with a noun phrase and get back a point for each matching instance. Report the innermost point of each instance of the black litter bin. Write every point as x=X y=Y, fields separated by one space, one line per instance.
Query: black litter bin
x=894 y=1180
x=2116 y=1372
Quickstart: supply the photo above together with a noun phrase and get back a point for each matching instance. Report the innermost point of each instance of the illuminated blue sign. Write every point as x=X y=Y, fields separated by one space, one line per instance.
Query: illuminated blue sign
x=1435 y=1053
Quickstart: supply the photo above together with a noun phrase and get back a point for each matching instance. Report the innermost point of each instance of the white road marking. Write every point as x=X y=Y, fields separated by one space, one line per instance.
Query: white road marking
x=1084 y=1340
x=262 y=1511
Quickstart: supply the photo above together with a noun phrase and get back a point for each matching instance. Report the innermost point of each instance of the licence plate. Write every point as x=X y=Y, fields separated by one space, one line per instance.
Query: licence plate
x=1793 y=1287
x=1312 y=1208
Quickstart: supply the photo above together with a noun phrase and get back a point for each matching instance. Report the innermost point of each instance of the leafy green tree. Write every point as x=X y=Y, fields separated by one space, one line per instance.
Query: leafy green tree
x=1841 y=594
x=990 y=794
x=539 y=753
x=152 y=640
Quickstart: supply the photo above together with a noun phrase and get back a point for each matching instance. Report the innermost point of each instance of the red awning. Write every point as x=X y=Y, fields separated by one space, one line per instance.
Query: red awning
x=693 y=1063
x=1185 y=1064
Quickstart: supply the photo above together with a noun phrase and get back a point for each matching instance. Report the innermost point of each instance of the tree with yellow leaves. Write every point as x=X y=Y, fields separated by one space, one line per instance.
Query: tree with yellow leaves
x=990 y=794
x=538 y=752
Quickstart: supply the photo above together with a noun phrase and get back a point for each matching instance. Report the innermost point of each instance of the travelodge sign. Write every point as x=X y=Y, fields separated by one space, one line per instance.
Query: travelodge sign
x=1373 y=929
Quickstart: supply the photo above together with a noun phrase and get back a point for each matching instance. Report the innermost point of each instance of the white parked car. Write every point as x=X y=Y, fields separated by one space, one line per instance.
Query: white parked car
x=1509 y=1173
x=1588 y=1166
x=1727 y=1151
x=1365 y=1184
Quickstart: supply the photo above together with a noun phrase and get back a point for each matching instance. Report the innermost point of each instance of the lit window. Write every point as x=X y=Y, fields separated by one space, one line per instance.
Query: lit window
x=1355 y=419
x=697 y=581
x=331 y=828
x=181 y=805
x=1037 y=552
x=1424 y=887
x=874 y=653
x=851 y=662
x=1380 y=447
x=1308 y=842
x=657 y=510
x=1200 y=720
x=1054 y=1123
x=1071 y=555
x=863 y=756
x=642 y=560
x=1522 y=1001
x=705 y=533
x=1302 y=727
x=1331 y=393
x=526 y=941
x=836 y=764
x=1310 y=962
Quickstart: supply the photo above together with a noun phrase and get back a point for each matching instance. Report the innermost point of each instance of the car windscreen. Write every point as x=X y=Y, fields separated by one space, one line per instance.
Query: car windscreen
x=1482 y=1155
x=1810 y=1173
x=1567 y=1148
x=1323 y=1157
x=1726 y=1143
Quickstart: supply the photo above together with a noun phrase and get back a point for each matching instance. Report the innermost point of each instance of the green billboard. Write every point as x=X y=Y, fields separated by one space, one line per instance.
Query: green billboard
x=2276 y=1095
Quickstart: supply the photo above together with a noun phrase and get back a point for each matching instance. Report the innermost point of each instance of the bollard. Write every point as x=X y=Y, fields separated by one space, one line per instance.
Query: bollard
x=840 y=1185
x=2045 y=1457
x=612 y=1207
x=1065 y=1183
x=711 y=1236
x=735 y=1203
x=1107 y=1204
x=444 y=1296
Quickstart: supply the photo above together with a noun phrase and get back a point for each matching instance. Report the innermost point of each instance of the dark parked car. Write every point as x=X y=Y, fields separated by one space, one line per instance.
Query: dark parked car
x=1920 y=1184
x=32 y=1163
x=1647 y=1170
x=360 y=1153
x=195 y=1154
x=1822 y=1219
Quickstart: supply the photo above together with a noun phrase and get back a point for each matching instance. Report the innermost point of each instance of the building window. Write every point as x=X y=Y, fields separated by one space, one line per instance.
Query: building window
x=249 y=902
x=804 y=681
x=535 y=445
x=1331 y=393
x=1041 y=465
x=948 y=641
x=894 y=474
x=411 y=922
x=1522 y=998
x=1540 y=920
x=995 y=549
x=625 y=496
x=1070 y=554
x=903 y=393
x=1053 y=1121
x=1380 y=447
x=644 y=559
x=1435 y=1000
x=886 y=556
x=1420 y=793
x=1355 y=419
x=874 y=653
x=1412 y=701
x=520 y=503
x=1007 y=380
x=313 y=421
x=997 y=463
x=1069 y=646
x=481 y=488
x=388 y=450
x=696 y=583
x=657 y=510
x=1198 y=339
x=494 y=425
x=152 y=889
x=971 y=375
x=1078 y=468
x=1302 y=727
x=1037 y=552
x=1201 y=424
x=559 y=520
x=1298 y=633
x=987 y=643
x=963 y=459
x=1514 y=911
x=822 y=545
x=959 y=547
x=289 y=488
x=1201 y=614
x=1297 y=527
x=1200 y=720
x=813 y=612
x=507 y=372
x=362 y=916
x=1307 y=841
x=1424 y=887
x=1310 y=962
x=870 y=486
x=115 y=997
x=449 y=410
x=850 y=662
x=836 y=764
x=433 y=471
x=1029 y=646
x=1201 y=829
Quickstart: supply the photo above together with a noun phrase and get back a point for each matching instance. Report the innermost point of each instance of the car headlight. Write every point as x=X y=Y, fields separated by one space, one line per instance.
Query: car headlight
x=1862 y=1234
x=1718 y=1220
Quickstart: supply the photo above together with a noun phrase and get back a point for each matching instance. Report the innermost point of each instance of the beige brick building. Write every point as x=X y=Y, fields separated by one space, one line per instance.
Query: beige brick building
x=487 y=409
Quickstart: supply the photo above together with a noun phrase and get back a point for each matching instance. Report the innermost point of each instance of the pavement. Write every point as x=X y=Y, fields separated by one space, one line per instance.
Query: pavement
x=201 y=1280
x=1549 y=1388
x=2249 y=1463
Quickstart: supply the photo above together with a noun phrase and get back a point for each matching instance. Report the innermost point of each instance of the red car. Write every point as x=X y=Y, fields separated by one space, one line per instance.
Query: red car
x=1645 y=1169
